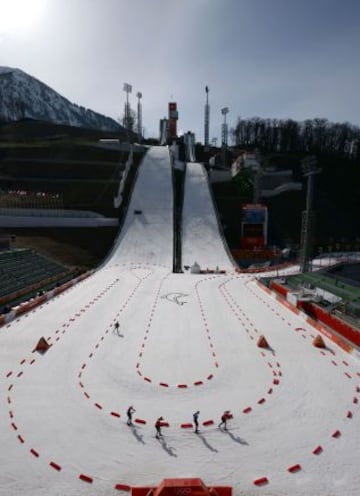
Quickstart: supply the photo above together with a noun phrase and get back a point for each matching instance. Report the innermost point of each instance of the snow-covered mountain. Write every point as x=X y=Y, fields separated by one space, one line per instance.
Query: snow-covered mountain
x=23 y=96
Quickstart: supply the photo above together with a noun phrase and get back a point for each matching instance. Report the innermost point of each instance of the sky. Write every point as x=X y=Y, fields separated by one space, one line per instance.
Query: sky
x=63 y=413
x=266 y=58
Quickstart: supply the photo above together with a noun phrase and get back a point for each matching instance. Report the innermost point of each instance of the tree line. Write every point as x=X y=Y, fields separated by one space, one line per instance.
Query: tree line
x=286 y=135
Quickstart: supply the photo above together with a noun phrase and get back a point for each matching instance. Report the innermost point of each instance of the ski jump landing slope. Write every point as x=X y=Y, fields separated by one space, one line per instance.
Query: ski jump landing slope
x=201 y=240
x=186 y=342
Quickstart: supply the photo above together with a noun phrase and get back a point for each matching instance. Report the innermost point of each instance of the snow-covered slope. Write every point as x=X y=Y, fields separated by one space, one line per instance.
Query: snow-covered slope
x=201 y=239
x=147 y=234
x=186 y=342
x=23 y=96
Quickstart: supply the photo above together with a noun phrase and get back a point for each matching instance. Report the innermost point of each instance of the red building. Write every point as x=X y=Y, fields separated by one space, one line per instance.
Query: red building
x=173 y=117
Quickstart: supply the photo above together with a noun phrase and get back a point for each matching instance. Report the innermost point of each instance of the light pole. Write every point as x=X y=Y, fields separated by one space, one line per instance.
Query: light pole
x=224 y=134
x=127 y=88
x=139 y=116
x=310 y=168
x=207 y=119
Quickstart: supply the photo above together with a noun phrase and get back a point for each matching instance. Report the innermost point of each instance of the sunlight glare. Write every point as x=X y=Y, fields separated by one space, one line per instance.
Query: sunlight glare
x=20 y=15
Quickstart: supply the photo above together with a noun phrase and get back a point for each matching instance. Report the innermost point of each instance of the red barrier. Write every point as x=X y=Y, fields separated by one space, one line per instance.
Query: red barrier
x=343 y=328
x=30 y=305
x=294 y=468
x=336 y=434
x=186 y=426
x=85 y=478
x=182 y=386
x=261 y=481
x=164 y=384
x=115 y=414
x=349 y=414
x=34 y=452
x=55 y=466
x=20 y=438
x=262 y=400
x=317 y=450
x=140 y=421
x=247 y=410
x=198 y=383
x=279 y=288
x=209 y=377
x=124 y=487
x=208 y=422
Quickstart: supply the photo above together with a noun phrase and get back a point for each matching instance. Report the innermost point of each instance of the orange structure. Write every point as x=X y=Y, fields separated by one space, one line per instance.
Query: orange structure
x=262 y=343
x=173 y=118
x=318 y=342
x=182 y=487
x=42 y=345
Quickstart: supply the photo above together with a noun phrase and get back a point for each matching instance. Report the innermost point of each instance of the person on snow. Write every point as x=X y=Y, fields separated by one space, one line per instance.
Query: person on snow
x=116 y=327
x=196 y=421
x=224 y=418
x=158 y=427
x=129 y=413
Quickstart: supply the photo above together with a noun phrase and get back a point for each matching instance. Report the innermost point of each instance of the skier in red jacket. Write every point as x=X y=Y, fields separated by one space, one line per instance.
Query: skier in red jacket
x=224 y=418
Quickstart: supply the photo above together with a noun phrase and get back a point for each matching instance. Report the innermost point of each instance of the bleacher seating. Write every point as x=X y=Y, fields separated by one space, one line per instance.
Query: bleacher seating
x=24 y=268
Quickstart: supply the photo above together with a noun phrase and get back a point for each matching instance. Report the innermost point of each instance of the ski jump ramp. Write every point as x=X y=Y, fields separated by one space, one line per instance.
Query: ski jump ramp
x=201 y=238
x=147 y=233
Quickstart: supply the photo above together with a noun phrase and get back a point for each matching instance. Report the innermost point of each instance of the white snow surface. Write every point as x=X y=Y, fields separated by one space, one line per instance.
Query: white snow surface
x=201 y=240
x=175 y=329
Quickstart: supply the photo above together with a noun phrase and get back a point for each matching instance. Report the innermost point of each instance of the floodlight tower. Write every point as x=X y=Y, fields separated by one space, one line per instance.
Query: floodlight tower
x=224 y=135
x=207 y=119
x=224 y=127
x=127 y=118
x=139 y=116
x=310 y=169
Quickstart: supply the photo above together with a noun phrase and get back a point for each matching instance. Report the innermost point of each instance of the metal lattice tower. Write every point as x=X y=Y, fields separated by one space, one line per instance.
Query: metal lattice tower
x=207 y=119
x=224 y=128
x=310 y=169
x=139 y=116
x=127 y=114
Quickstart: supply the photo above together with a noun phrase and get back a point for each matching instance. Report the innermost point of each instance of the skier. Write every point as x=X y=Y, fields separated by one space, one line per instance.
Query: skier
x=224 y=418
x=116 y=327
x=129 y=413
x=196 y=421
x=158 y=427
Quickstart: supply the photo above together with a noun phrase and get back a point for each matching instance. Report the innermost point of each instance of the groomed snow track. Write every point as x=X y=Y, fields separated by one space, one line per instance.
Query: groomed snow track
x=186 y=342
